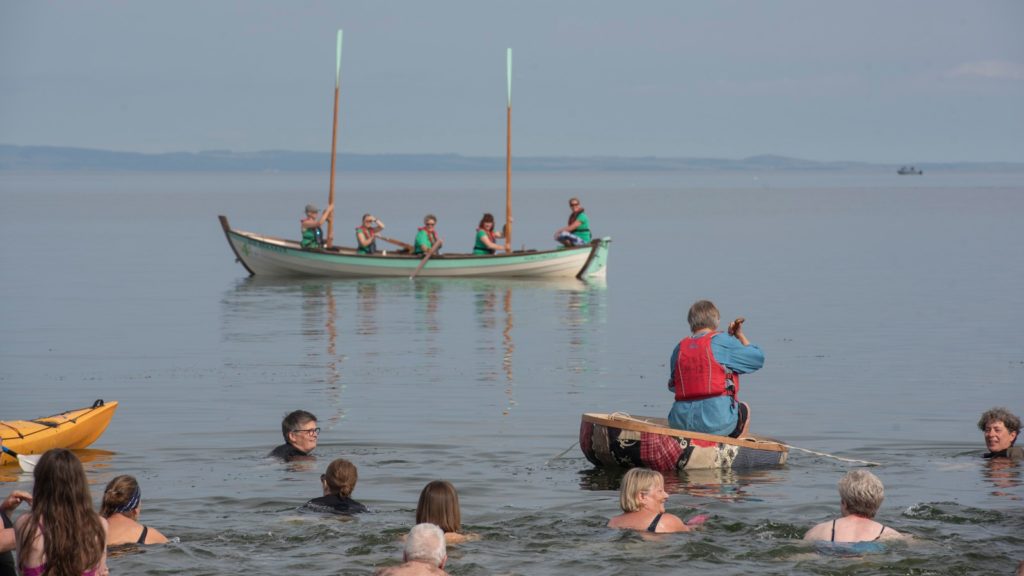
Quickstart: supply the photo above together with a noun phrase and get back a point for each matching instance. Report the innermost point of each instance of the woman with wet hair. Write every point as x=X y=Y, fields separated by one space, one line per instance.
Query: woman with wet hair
x=61 y=534
x=642 y=498
x=1001 y=428
x=337 y=482
x=122 y=503
x=439 y=505
x=860 y=496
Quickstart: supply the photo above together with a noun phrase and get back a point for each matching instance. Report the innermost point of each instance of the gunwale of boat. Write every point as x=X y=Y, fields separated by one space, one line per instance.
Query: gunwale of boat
x=660 y=426
x=400 y=254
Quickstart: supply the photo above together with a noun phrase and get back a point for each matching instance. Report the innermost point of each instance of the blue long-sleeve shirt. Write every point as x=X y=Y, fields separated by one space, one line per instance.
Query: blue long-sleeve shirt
x=716 y=415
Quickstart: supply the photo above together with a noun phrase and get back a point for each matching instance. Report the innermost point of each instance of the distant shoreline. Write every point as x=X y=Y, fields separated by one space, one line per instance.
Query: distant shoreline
x=58 y=158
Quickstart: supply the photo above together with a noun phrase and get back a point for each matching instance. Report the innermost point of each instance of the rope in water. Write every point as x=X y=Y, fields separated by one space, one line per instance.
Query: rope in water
x=868 y=462
x=563 y=452
x=626 y=416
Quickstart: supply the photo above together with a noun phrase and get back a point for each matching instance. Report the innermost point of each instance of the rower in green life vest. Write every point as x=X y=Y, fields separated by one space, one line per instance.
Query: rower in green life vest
x=312 y=233
x=426 y=236
x=486 y=237
x=366 y=235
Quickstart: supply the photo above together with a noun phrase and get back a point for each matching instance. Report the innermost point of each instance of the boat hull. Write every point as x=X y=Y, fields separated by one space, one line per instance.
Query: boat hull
x=623 y=441
x=270 y=256
x=72 y=429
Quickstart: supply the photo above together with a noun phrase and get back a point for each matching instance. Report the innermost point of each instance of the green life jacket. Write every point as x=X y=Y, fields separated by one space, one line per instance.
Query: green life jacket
x=372 y=246
x=312 y=238
x=583 y=230
x=480 y=248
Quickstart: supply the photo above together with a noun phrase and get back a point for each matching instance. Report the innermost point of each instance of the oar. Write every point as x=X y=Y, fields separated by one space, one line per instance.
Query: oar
x=26 y=461
x=396 y=242
x=425 y=258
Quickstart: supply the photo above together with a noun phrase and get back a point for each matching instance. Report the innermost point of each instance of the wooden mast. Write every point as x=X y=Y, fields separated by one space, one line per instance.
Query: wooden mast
x=508 y=156
x=334 y=144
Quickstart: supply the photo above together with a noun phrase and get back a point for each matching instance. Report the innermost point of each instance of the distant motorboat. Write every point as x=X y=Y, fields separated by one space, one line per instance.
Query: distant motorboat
x=909 y=171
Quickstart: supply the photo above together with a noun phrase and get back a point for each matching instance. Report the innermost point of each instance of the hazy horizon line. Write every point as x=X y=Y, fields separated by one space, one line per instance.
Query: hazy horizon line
x=226 y=154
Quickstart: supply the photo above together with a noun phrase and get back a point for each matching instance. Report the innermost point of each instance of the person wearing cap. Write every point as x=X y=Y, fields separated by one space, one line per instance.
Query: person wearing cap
x=312 y=234
x=577 y=231
x=122 y=501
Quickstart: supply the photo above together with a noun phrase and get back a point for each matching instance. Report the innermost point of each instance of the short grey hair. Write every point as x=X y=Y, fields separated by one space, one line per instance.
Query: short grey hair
x=425 y=543
x=862 y=492
x=703 y=314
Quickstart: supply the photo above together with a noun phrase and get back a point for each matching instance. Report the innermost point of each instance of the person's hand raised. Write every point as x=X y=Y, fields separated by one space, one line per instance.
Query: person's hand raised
x=736 y=326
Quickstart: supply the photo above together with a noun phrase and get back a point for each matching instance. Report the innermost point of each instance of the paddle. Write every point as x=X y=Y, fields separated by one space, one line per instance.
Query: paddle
x=27 y=462
x=396 y=242
x=425 y=258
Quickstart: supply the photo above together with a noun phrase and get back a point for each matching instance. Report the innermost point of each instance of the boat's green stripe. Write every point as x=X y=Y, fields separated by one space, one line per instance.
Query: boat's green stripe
x=406 y=263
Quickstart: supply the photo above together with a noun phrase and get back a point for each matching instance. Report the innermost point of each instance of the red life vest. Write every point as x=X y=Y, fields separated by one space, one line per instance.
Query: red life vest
x=370 y=232
x=698 y=375
x=430 y=234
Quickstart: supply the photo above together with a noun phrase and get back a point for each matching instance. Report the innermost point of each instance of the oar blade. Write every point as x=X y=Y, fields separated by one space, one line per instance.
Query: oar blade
x=28 y=462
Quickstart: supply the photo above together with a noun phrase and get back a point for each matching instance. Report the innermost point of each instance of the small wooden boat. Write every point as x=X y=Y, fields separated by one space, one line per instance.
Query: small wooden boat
x=271 y=256
x=621 y=440
x=72 y=429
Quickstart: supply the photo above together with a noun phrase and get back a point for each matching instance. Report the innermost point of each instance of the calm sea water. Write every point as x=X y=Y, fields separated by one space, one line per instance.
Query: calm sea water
x=889 y=308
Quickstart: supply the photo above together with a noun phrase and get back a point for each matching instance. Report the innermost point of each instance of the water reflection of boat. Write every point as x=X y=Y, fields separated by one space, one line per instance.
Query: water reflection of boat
x=94 y=460
x=628 y=441
x=909 y=171
x=723 y=484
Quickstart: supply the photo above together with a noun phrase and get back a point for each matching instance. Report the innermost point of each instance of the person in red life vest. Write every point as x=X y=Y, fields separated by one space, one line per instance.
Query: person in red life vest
x=704 y=375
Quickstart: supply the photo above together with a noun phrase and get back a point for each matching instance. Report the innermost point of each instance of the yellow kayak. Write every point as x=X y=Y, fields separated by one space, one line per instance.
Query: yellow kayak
x=72 y=429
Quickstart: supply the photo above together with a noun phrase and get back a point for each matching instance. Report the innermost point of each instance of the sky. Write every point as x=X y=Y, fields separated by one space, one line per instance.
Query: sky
x=874 y=81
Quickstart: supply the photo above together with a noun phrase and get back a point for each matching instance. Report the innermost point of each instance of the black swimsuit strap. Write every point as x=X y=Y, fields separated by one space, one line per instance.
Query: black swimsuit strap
x=880 y=532
x=833 y=531
x=142 y=537
x=654 y=525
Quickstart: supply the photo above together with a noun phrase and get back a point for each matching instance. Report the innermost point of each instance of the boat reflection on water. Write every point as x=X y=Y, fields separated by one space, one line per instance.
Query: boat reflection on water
x=585 y=306
x=387 y=318
x=486 y=305
x=95 y=462
x=320 y=321
x=366 y=299
x=724 y=484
